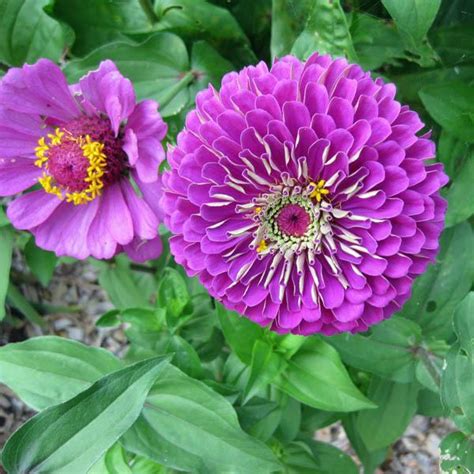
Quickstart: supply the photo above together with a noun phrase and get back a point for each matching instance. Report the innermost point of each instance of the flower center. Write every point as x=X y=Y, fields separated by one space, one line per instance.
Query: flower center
x=293 y=220
x=80 y=159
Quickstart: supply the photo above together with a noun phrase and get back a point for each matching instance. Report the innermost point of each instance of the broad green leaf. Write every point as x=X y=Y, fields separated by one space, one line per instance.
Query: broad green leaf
x=3 y=217
x=27 y=33
x=259 y=417
x=72 y=436
x=429 y=404
x=314 y=457
x=200 y=20
x=290 y=419
x=437 y=293
x=47 y=370
x=15 y=299
x=459 y=195
x=41 y=262
x=158 y=68
x=387 y=352
x=317 y=377
x=240 y=333
x=6 y=246
x=172 y=292
x=457 y=383
x=376 y=42
x=453 y=153
x=454 y=44
x=428 y=372
x=97 y=22
x=113 y=462
x=397 y=404
x=413 y=19
x=185 y=425
x=184 y=356
x=457 y=454
x=451 y=104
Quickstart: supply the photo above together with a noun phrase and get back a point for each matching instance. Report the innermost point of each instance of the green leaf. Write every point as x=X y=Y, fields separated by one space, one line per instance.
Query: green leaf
x=187 y=426
x=100 y=21
x=457 y=454
x=16 y=300
x=451 y=104
x=317 y=377
x=314 y=457
x=158 y=68
x=3 y=217
x=437 y=293
x=113 y=462
x=240 y=333
x=375 y=41
x=199 y=20
x=184 y=356
x=387 y=352
x=47 y=370
x=260 y=417
x=413 y=19
x=143 y=465
x=457 y=383
x=455 y=45
x=172 y=292
x=6 y=246
x=41 y=262
x=290 y=419
x=429 y=404
x=27 y=33
x=72 y=436
x=396 y=406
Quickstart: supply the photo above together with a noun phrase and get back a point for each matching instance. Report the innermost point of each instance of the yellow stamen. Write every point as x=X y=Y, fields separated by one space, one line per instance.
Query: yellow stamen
x=258 y=210
x=319 y=190
x=262 y=246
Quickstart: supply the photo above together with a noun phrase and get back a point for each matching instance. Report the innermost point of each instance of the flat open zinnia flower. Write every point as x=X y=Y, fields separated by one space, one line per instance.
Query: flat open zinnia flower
x=302 y=196
x=88 y=147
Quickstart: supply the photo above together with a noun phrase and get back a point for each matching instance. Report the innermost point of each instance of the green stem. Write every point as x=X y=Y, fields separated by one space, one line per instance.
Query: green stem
x=178 y=87
x=430 y=366
x=147 y=8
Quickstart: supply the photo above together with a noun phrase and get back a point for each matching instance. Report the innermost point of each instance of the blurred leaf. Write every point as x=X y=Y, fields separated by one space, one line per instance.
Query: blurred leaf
x=27 y=33
x=259 y=417
x=459 y=195
x=429 y=404
x=455 y=45
x=3 y=218
x=113 y=462
x=290 y=420
x=413 y=19
x=172 y=292
x=109 y=319
x=453 y=153
x=143 y=465
x=158 y=68
x=16 y=300
x=197 y=19
x=97 y=22
x=317 y=377
x=451 y=104
x=240 y=333
x=187 y=426
x=397 y=404
x=47 y=370
x=375 y=41
x=184 y=356
x=314 y=457
x=41 y=262
x=387 y=352
x=428 y=372
x=457 y=454
x=439 y=290
x=6 y=246
x=70 y=437
x=457 y=382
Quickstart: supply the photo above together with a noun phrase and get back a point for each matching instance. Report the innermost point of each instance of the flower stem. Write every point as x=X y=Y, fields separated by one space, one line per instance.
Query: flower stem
x=430 y=366
x=147 y=8
x=178 y=87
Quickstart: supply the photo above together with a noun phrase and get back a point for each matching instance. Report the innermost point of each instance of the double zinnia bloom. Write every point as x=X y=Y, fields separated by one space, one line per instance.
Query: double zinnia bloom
x=301 y=196
x=92 y=154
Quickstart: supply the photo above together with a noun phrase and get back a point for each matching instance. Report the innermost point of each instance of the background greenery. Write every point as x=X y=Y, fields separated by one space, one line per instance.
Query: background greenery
x=200 y=389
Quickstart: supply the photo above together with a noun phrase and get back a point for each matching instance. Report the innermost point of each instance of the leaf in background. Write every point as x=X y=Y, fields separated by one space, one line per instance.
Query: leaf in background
x=240 y=333
x=304 y=26
x=6 y=246
x=376 y=42
x=387 y=352
x=457 y=454
x=16 y=300
x=72 y=436
x=413 y=19
x=457 y=382
x=451 y=104
x=197 y=19
x=27 y=33
x=314 y=457
x=41 y=262
x=143 y=465
x=96 y=22
x=455 y=44
x=3 y=217
x=172 y=292
x=317 y=377
x=113 y=462
x=290 y=423
x=259 y=417
x=184 y=356
x=397 y=404
x=437 y=293
x=47 y=370
x=185 y=425
x=429 y=404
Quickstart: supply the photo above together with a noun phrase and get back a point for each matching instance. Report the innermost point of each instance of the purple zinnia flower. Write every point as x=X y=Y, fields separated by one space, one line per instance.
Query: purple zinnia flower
x=302 y=196
x=88 y=147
